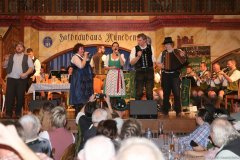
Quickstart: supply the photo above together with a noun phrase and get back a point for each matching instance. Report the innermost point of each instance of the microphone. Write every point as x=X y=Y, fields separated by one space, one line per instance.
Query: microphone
x=115 y=51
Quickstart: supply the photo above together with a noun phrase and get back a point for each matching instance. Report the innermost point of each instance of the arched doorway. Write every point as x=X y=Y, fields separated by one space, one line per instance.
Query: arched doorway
x=63 y=58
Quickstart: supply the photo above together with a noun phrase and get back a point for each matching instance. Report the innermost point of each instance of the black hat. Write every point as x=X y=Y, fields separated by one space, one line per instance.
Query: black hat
x=223 y=113
x=120 y=105
x=167 y=40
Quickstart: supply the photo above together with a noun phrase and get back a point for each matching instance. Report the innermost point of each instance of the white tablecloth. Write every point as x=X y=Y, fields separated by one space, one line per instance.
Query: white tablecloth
x=37 y=87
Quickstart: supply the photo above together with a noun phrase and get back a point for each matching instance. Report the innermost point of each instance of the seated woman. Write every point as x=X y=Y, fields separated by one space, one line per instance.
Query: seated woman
x=198 y=139
x=45 y=115
x=131 y=128
x=59 y=137
x=108 y=128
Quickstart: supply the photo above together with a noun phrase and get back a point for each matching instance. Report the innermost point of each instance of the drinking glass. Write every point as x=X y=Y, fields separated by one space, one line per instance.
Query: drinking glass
x=37 y=79
x=46 y=75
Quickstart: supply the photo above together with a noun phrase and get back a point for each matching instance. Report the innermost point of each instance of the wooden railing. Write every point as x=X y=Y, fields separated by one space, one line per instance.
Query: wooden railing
x=7 y=43
x=119 y=7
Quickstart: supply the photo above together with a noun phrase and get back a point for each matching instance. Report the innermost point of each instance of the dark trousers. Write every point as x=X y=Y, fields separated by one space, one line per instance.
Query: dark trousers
x=15 y=89
x=171 y=83
x=78 y=108
x=144 y=77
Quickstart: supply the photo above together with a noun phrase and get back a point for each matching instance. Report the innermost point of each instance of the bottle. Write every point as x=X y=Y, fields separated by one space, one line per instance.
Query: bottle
x=148 y=133
x=172 y=137
x=170 y=155
x=161 y=130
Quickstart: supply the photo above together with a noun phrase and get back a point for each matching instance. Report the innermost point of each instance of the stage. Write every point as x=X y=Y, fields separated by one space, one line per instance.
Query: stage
x=180 y=125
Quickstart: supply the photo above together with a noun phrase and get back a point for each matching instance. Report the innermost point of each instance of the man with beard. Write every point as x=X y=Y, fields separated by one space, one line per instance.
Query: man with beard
x=97 y=61
x=18 y=67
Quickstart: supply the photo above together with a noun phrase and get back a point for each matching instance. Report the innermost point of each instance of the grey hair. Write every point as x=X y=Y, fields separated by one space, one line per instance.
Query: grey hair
x=95 y=144
x=31 y=126
x=139 y=148
x=58 y=117
x=222 y=131
x=99 y=115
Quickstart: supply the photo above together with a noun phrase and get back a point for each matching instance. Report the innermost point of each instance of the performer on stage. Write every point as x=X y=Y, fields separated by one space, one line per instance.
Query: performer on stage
x=217 y=81
x=232 y=77
x=36 y=63
x=18 y=67
x=199 y=94
x=142 y=58
x=81 y=87
x=97 y=62
x=191 y=75
x=171 y=61
x=37 y=66
x=114 y=84
x=203 y=78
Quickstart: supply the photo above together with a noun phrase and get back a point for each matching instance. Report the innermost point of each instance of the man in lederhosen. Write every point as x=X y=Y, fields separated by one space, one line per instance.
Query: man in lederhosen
x=142 y=58
x=171 y=61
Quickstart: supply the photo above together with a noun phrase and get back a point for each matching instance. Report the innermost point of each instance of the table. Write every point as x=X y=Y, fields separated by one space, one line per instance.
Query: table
x=56 y=87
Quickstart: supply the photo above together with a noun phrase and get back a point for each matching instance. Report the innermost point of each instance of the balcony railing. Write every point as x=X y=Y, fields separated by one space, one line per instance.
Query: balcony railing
x=119 y=7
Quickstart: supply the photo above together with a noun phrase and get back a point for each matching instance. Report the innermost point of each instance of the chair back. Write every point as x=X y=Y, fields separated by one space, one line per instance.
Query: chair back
x=69 y=152
x=238 y=96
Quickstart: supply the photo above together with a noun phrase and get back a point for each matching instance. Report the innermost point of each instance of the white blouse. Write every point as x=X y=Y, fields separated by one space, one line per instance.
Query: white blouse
x=106 y=59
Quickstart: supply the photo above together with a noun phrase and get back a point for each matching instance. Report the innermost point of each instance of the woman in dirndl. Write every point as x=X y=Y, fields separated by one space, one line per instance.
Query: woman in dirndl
x=81 y=86
x=114 y=83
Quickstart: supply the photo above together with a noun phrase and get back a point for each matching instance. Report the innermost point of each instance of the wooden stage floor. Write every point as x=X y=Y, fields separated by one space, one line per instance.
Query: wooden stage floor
x=180 y=125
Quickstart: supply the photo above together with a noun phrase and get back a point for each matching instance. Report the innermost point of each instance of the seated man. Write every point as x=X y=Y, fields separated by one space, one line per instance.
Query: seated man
x=198 y=139
x=31 y=126
x=225 y=136
x=97 y=116
x=202 y=85
x=232 y=77
x=217 y=82
x=12 y=145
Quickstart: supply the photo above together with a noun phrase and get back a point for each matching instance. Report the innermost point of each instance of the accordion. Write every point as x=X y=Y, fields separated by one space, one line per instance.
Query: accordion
x=173 y=60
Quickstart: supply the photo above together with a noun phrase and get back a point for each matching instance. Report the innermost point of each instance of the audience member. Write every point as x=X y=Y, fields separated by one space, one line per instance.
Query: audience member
x=97 y=148
x=131 y=128
x=120 y=108
x=84 y=121
x=198 y=139
x=12 y=146
x=31 y=126
x=225 y=136
x=97 y=116
x=108 y=128
x=45 y=116
x=59 y=137
x=119 y=122
x=139 y=149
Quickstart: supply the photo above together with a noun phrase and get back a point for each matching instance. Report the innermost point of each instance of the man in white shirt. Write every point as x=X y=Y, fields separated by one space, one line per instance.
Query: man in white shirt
x=143 y=60
x=232 y=77
x=37 y=67
x=36 y=63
